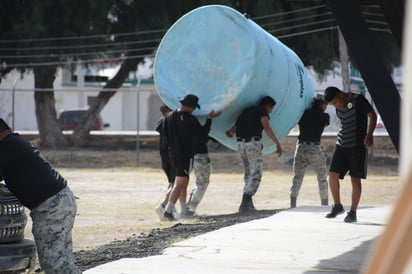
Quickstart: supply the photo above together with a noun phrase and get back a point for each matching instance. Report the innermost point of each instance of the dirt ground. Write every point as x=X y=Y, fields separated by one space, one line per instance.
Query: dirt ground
x=116 y=193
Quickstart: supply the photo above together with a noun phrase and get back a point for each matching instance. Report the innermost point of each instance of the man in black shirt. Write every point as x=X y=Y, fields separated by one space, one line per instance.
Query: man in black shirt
x=166 y=162
x=354 y=137
x=39 y=187
x=309 y=151
x=182 y=130
x=248 y=130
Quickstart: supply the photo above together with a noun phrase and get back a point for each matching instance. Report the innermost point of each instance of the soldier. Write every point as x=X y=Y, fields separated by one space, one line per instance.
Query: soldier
x=309 y=151
x=202 y=168
x=248 y=130
x=39 y=187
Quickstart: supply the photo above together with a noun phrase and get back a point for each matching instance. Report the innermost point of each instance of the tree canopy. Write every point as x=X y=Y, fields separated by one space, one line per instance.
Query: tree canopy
x=42 y=35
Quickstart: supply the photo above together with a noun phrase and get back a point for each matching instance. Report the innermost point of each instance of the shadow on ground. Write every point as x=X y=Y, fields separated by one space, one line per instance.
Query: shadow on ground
x=349 y=262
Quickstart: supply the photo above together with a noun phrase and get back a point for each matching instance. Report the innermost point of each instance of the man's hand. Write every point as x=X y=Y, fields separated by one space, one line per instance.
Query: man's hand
x=231 y=132
x=368 y=141
x=214 y=114
x=279 y=150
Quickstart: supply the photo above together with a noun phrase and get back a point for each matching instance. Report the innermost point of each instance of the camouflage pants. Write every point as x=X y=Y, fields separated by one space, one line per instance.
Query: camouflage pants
x=201 y=167
x=53 y=221
x=312 y=155
x=251 y=154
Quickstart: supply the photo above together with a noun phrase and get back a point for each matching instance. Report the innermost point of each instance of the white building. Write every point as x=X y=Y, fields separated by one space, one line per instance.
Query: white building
x=73 y=90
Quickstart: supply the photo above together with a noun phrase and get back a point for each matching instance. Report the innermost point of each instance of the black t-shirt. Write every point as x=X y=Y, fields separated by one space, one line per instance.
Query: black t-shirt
x=28 y=175
x=248 y=124
x=162 y=142
x=312 y=123
x=182 y=132
x=354 y=121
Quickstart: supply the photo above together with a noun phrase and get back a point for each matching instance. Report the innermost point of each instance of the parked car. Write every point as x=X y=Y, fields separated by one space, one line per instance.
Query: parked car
x=17 y=254
x=71 y=119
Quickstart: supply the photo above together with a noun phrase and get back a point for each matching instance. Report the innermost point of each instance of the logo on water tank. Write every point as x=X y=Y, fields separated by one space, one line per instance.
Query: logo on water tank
x=300 y=72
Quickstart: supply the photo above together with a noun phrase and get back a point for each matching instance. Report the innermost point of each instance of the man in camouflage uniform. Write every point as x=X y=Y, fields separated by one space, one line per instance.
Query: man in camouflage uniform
x=39 y=187
x=309 y=151
x=202 y=168
x=248 y=130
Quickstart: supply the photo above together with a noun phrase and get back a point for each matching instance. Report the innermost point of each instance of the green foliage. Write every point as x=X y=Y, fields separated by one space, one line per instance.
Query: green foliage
x=99 y=29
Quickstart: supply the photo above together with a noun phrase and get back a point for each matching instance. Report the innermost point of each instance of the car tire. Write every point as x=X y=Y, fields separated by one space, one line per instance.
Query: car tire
x=12 y=217
x=17 y=257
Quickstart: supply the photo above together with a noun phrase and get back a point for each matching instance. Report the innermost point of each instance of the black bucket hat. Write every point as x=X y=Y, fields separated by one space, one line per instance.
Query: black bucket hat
x=190 y=100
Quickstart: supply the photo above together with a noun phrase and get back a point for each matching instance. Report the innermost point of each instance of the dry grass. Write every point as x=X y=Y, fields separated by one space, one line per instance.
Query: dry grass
x=117 y=203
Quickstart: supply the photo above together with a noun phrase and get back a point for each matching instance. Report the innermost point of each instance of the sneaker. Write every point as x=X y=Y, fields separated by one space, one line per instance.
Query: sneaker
x=160 y=209
x=336 y=210
x=167 y=216
x=351 y=217
x=187 y=214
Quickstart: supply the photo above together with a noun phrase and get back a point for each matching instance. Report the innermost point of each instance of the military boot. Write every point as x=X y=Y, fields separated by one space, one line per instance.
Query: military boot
x=292 y=202
x=246 y=206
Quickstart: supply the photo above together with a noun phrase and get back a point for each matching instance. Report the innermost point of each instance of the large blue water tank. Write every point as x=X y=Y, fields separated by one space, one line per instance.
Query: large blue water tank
x=231 y=63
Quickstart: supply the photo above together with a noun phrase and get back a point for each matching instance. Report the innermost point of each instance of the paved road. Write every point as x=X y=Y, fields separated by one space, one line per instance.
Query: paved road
x=298 y=240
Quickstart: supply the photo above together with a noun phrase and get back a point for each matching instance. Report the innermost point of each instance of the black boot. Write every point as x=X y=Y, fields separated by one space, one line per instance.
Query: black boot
x=247 y=207
x=292 y=202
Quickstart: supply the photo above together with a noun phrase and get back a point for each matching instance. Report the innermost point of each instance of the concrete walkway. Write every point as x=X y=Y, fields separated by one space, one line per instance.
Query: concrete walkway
x=299 y=240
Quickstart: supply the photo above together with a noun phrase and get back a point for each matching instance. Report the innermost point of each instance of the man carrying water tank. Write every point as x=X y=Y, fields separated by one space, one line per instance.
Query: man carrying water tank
x=309 y=151
x=248 y=130
x=181 y=132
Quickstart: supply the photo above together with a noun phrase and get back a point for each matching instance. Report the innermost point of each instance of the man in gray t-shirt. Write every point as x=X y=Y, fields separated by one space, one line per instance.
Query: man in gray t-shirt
x=354 y=137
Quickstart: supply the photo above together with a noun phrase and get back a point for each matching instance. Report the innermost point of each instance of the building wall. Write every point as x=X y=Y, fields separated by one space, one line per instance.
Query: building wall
x=120 y=112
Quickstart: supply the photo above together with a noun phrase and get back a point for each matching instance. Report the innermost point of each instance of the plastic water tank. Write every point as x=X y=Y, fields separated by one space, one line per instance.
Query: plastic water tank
x=231 y=63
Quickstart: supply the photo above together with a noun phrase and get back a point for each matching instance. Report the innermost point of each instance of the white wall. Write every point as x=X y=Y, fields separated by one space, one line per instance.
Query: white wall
x=120 y=112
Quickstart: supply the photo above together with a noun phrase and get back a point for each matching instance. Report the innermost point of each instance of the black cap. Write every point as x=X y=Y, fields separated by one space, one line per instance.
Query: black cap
x=190 y=100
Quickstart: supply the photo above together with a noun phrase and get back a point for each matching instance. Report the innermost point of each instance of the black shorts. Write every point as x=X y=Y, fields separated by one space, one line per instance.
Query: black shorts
x=168 y=167
x=352 y=159
x=183 y=166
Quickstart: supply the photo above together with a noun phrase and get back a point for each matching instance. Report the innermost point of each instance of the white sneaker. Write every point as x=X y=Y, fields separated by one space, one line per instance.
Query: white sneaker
x=160 y=209
x=176 y=214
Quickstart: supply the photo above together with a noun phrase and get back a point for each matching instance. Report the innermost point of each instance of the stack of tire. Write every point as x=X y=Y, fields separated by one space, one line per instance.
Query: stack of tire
x=17 y=254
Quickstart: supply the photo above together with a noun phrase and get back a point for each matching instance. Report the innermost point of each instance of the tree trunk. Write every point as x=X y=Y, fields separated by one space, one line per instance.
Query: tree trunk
x=81 y=133
x=49 y=129
x=344 y=62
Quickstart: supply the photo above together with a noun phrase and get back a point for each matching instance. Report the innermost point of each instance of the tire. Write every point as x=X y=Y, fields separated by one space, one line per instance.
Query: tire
x=17 y=257
x=12 y=217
